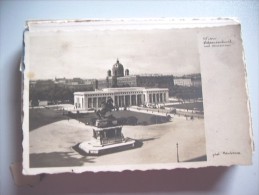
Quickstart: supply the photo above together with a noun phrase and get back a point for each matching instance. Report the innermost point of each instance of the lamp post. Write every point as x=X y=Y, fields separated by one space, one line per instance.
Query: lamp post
x=177 y=152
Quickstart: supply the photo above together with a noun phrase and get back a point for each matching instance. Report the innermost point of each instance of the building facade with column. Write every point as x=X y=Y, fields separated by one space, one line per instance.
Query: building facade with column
x=120 y=77
x=126 y=96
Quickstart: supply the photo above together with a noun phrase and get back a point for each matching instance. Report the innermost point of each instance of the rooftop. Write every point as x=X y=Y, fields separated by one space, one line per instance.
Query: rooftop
x=122 y=89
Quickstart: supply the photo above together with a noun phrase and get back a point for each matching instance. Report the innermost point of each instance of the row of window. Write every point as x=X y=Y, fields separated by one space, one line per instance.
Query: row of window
x=123 y=93
x=101 y=94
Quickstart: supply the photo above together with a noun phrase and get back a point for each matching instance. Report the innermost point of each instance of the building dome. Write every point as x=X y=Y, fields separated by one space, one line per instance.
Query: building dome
x=117 y=69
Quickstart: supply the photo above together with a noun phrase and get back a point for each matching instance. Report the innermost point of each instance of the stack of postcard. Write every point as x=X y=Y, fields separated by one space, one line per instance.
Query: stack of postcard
x=134 y=94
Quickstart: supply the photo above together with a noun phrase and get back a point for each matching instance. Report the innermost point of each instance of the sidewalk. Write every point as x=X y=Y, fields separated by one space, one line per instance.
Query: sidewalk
x=148 y=111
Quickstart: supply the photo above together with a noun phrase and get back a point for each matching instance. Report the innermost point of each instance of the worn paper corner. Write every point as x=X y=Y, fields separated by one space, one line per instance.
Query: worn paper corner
x=23 y=180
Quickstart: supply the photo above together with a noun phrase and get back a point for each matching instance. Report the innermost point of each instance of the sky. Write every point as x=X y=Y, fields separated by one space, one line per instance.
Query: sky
x=89 y=54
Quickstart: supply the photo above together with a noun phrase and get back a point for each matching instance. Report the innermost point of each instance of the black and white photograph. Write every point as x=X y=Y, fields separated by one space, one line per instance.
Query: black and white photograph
x=129 y=97
x=115 y=97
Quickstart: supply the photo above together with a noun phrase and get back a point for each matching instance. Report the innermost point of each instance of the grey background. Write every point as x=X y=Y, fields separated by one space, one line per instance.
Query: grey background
x=236 y=180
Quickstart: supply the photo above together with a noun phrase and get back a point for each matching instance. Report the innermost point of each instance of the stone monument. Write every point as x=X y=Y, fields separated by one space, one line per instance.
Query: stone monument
x=107 y=134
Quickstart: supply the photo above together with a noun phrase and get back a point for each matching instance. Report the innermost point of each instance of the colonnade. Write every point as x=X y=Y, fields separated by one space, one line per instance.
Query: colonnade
x=86 y=100
x=157 y=98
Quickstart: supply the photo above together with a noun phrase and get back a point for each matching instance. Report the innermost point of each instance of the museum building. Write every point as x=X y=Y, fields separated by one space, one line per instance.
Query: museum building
x=122 y=97
x=120 y=77
x=125 y=90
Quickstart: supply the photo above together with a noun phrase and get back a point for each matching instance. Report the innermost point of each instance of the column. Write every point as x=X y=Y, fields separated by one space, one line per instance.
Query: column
x=86 y=101
x=115 y=100
x=127 y=97
x=143 y=99
x=166 y=99
x=162 y=97
x=133 y=100
x=97 y=102
x=89 y=102
x=94 y=102
x=75 y=103
x=120 y=102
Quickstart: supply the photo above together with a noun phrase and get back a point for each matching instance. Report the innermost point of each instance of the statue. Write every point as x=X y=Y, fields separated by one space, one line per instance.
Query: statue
x=107 y=134
x=106 y=107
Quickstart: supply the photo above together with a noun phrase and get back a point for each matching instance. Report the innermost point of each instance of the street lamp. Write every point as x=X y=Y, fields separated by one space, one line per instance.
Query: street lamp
x=177 y=152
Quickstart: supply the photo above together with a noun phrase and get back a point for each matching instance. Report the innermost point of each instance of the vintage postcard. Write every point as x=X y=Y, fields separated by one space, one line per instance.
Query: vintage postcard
x=134 y=94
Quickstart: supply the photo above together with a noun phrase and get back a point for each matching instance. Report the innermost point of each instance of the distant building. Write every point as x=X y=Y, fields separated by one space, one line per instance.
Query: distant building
x=188 y=81
x=60 y=81
x=127 y=96
x=76 y=83
x=73 y=81
x=43 y=84
x=183 y=82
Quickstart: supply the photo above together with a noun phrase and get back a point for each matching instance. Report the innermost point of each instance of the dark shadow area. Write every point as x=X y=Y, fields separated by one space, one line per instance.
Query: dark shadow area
x=57 y=159
x=189 y=106
x=78 y=150
x=44 y=116
x=147 y=139
x=11 y=115
x=14 y=113
x=196 y=180
x=124 y=117
x=200 y=158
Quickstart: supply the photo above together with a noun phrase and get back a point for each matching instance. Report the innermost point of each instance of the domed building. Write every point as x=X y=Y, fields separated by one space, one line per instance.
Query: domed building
x=117 y=76
x=126 y=89
x=117 y=69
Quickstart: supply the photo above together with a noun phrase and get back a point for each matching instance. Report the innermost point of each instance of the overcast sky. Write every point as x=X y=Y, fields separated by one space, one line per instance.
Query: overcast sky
x=90 y=54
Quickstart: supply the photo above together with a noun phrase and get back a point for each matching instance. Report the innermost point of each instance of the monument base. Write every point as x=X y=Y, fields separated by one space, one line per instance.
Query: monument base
x=91 y=148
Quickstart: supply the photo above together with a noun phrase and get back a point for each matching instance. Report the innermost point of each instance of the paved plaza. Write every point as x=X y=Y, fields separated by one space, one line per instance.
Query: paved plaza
x=51 y=144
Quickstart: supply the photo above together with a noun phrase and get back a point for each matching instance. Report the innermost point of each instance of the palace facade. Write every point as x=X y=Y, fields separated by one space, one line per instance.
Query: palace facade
x=122 y=97
x=131 y=90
